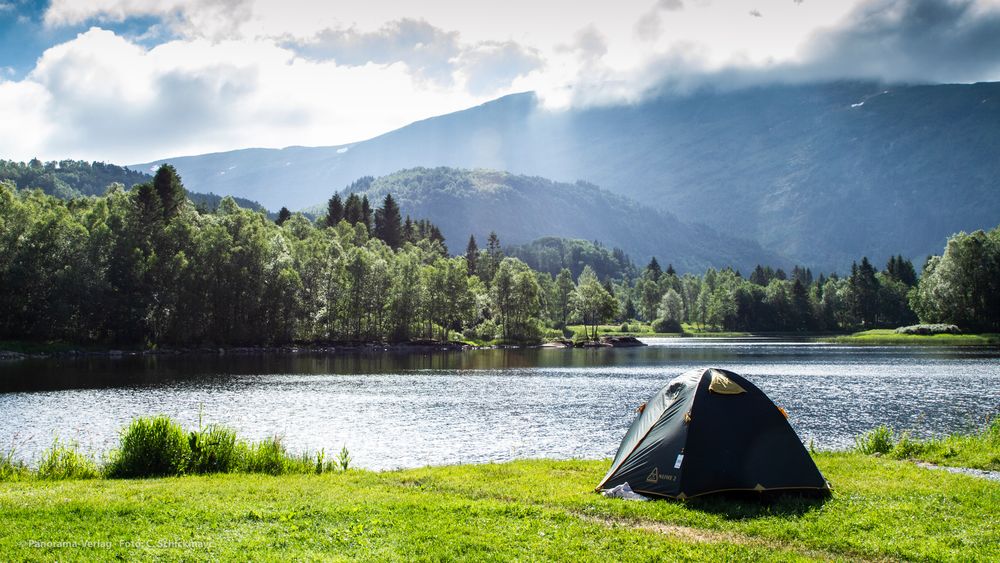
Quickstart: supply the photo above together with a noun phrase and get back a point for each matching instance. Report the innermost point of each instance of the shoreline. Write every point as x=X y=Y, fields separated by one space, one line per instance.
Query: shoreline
x=18 y=351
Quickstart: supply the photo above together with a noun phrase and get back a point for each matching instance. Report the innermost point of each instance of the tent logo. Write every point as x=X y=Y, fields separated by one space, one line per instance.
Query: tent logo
x=654 y=475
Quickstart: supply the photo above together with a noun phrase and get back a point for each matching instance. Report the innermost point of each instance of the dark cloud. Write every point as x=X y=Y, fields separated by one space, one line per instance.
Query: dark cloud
x=888 y=41
x=911 y=40
x=427 y=50
x=492 y=65
x=756 y=13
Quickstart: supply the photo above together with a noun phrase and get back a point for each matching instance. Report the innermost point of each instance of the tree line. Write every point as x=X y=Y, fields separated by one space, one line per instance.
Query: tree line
x=146 y=267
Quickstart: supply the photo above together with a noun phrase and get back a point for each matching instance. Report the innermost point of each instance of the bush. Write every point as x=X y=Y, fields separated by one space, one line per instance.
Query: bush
x=876 y=441
x=929 y=329
x=65 y=461
x=666 y=325
x=267 y=456
x=624 y=328
x=12 y=470
x=484 y=332
x=213 y=450
x=154 y=446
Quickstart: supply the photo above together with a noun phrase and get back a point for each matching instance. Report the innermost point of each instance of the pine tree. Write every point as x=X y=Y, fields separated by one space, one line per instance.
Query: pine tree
x=283 y=215
x=653 y=269
x=168 y=187
x=670 y=270
x=334 y=211
x=353 y=213
x=472 y=255
x=388 y=224
x=366 y=214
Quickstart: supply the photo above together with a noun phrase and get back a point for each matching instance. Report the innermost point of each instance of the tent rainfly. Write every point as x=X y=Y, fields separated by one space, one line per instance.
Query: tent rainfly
x=712 y=431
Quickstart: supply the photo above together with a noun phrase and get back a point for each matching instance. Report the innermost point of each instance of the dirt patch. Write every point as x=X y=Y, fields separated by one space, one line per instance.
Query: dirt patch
x=981 y=473
x=702 y=535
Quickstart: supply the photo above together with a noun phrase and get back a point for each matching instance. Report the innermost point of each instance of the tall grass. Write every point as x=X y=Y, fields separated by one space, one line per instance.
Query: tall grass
x=66 y=461
x=151 y=447
x=214 y=449
x=978 y=450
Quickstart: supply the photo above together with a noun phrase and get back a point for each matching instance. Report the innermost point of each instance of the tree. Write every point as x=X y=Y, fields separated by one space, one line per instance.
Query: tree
x=592 y=302
x=353 y=212
x=962 y=286
x=671 y=307
x=168 y=187
x=388 y=223
x=563 y=301
x=901 y=270
x=514 y=294
x=863 y=295
x=334 y=211
x=366 y=214
x=283 y=215
x=653 y=270
x=472 y=255
x=494 y=255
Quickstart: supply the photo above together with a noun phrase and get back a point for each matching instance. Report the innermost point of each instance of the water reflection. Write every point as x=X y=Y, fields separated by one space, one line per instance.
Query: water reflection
x=394 y=410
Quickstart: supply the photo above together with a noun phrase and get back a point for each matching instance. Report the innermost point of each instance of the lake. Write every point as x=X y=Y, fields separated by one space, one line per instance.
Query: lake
x=404 y=410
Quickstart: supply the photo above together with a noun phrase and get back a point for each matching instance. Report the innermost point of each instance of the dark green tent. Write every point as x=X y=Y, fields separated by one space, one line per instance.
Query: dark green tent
x=711 y=431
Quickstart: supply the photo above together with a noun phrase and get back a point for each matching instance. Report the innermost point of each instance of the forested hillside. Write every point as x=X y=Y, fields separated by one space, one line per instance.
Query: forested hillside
x=522 y=209
x=820 y=173
x=74 y=178
x=146 y=268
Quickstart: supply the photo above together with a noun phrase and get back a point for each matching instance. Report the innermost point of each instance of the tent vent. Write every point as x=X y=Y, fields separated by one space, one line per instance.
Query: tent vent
x=724 y=386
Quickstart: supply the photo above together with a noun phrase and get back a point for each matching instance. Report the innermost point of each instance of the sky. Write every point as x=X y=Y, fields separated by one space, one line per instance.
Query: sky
x=129 y=81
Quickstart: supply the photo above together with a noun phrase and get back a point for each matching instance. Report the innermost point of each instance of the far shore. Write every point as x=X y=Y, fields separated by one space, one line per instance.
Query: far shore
x=19 y=350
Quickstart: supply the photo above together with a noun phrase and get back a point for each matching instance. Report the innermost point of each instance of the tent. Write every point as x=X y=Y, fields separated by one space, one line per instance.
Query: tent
x=711 y=431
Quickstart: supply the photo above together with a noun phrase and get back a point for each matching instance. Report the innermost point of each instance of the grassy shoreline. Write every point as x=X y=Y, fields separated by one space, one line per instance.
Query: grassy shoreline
x=881 y=508
x=888 y=337
x=17 y=350
x=531 y=509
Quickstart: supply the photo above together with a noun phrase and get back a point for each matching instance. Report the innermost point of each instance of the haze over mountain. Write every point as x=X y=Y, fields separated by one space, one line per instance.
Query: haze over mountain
x=821 y=173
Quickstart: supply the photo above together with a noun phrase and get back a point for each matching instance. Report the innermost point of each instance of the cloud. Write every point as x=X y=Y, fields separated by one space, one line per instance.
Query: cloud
x=589 y=45
x=213 y=19
x=888 y=41
x=102 y=96
x=910 y=40
x=491 y=66
x=649 y=26
x=427 y=50
x=433 y=55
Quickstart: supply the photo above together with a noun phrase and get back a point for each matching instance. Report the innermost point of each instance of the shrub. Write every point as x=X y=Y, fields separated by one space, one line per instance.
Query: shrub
x=153 y=446
x=213 y=450
x=267 y=456
x=625 y=328
x=928 y=329
x=666 y=325
x=485 y=331
x=65 y=461
x=876 y=441
x=907 y=447
x=11 y=469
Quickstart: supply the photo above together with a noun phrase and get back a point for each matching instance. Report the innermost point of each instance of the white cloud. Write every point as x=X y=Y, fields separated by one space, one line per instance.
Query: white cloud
x=240 y=73
x=100 y=96
x=215 y=19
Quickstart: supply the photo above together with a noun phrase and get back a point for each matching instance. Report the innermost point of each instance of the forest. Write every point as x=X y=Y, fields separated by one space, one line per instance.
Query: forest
x=146 y=267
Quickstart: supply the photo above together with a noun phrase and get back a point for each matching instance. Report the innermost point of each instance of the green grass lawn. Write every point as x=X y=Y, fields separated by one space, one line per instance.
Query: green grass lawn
x=889 y=336
x=528 y=510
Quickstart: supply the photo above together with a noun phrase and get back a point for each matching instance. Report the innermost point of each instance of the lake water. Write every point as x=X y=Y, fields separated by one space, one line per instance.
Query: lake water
x=405 y=410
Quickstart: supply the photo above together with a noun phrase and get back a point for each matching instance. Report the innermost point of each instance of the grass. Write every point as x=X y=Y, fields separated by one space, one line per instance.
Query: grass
x=889 y=336
x=534 y=509
x=978 y=450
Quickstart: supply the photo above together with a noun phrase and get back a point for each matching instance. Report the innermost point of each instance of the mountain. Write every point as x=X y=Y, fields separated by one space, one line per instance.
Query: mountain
x=76 y=178
x=522 y=209
x=821 y=173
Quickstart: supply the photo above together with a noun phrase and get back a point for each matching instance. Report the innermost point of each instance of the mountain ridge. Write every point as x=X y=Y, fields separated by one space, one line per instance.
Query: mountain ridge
x=822 y=173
